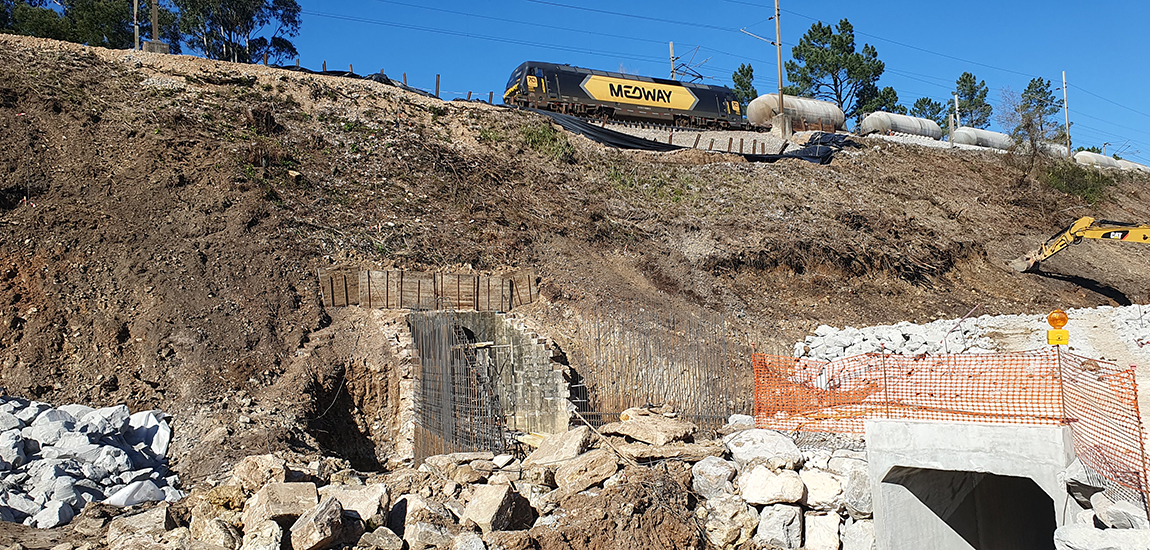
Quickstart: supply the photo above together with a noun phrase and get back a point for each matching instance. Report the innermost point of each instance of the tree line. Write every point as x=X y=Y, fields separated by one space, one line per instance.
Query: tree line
x=826 y=64
x=232 y=30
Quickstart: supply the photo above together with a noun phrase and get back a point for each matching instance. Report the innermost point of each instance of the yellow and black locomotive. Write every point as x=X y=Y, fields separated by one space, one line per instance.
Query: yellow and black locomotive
x=617 y=96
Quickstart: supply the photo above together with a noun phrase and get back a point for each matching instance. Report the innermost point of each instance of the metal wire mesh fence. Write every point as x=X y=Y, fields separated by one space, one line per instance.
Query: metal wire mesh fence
x=636 y=355
x=1098 y=400
x=457 y=405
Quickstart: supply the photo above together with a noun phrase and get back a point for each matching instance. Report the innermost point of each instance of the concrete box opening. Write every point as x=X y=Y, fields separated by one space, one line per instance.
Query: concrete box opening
x=984 y=511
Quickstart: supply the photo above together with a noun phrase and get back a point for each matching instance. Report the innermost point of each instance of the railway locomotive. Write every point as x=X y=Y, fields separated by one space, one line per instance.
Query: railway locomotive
x=605 y=95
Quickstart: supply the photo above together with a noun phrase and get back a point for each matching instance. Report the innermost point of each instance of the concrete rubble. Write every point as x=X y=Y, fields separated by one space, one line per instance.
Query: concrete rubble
x=54 y=461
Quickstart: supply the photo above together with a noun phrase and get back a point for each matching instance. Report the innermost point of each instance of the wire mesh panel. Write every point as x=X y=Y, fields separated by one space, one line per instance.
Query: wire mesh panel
x=456 y=403
x=1101 y=402
x=636 y=356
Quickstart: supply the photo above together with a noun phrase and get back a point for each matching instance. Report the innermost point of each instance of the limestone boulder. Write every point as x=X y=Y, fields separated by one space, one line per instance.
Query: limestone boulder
x=152 y=524
x=361 y=501
x=1085 y=537
x=647 y=427
x=586 y=470
x=318 y=527
x=821 y=531
x=490 y=507
x=381 y=539
x=253 y=472
x=411 y=509
x=1123 y=515
x=712 y=477
x=762 y=485
x=728 y=521
x=280 y=502
x=423 y=535
x=559 y=448
x=777 y=449
x=859 y=536
x=780 y=526
x=468 y=541
x=54 y=514
x=265 y=536
x=687 y=452
x=823 y=491
x=219 y=533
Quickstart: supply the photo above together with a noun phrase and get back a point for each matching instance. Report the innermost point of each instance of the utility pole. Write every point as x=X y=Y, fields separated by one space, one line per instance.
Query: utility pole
x=1104 y=148
x=1066 y=109
x=136 y=21
x=779 y=54
x=672 y=60
x=957 y=116
x=155 y=20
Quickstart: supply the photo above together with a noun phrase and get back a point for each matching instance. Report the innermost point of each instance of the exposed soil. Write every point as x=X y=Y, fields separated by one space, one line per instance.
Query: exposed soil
x=177 y=211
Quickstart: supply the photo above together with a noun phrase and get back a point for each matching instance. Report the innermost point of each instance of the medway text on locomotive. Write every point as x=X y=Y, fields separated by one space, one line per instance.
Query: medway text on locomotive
x=605 y=95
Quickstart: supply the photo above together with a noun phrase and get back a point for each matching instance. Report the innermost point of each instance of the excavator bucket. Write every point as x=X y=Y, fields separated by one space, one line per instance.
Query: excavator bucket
x=1025 y=264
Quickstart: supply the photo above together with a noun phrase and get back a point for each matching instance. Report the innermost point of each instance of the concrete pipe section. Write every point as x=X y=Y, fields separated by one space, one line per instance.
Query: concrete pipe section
x=763 y=109
x=885 y=123
x=982 y=138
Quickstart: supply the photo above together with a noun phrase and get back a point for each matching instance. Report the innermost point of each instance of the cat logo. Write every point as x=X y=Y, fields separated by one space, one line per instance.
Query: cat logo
x=648 y=94
x=1117 y=235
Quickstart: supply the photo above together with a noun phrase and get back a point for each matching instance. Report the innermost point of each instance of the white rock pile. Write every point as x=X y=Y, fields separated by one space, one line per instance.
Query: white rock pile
x=830 y=343
x=770 y=493
x=1131 y=324
x=54 y=461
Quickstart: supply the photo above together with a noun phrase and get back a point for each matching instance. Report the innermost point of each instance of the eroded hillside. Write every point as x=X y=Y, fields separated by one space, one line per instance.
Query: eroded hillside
x=178 y=210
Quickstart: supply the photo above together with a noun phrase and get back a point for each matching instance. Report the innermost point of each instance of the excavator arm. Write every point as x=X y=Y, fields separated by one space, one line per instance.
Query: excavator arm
x=1083 y=228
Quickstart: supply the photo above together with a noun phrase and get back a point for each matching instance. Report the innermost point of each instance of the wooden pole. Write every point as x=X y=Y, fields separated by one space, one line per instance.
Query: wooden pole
x=711 y=147
x=405 y=79
x=297 y=62
x=325 y=65
x=697 y=138
x=436 y=85
x=491 y=98
x=740 y=146
x=155 y=21
x=469 y=95
x=1066 y=109
x=350 y=69
x=136 y=21
x=779 y=55
x=730 y=142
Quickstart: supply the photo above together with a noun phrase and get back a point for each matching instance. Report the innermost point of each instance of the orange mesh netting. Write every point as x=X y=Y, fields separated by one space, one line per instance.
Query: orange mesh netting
x=1044 y=387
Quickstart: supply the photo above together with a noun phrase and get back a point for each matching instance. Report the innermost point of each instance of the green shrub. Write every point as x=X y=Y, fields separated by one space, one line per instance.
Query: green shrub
x=1087 y=183
x=543 y=138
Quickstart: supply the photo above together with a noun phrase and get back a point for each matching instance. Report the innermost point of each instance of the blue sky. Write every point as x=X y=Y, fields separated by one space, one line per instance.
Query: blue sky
x=925 y=45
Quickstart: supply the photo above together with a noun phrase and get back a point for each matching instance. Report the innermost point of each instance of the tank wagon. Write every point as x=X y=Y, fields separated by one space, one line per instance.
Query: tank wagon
x=606 y=95
x=1094 y=159
x=1128 y=165
x=982 y=138
x=887 y=123
x=804 y=112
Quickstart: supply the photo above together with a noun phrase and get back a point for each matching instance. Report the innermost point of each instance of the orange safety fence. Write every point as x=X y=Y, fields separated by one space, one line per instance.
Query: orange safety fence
x=1098 y=400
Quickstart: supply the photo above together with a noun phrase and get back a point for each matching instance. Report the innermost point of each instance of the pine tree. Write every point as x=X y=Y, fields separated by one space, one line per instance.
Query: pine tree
x=930 y=109
x=744 y=87
x=975 y=111
x=827 y=66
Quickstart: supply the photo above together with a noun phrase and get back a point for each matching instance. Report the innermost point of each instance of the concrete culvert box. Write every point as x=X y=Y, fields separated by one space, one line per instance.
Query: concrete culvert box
x=800 y=109
x=982 y=138
x=963 y=486
x=886 y=123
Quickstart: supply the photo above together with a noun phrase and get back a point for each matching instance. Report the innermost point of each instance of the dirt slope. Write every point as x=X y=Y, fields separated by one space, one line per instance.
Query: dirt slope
x=182 y=208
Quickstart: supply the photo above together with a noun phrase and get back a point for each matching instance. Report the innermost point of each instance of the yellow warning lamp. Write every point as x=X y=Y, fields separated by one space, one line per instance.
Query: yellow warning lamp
x=1057 y=336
